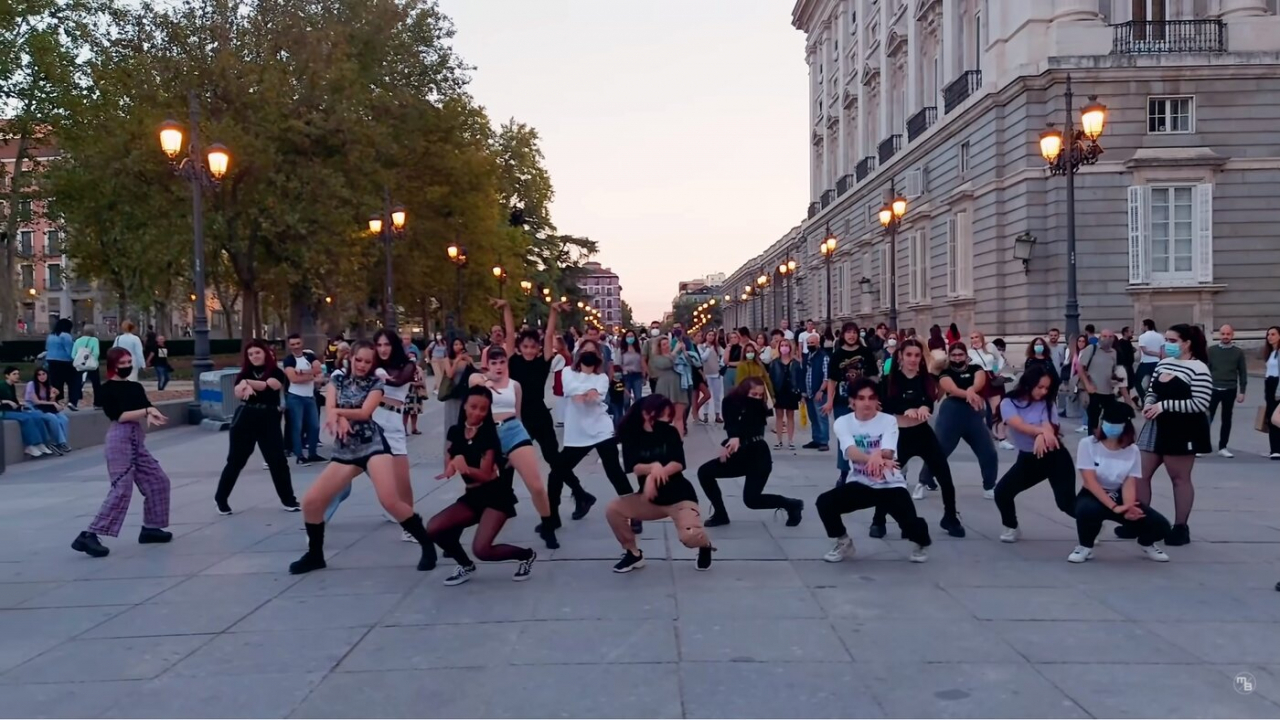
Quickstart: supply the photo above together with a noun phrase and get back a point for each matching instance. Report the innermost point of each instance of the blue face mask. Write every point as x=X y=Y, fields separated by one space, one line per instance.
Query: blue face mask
x=1112 y=430
x=1038 y=348
x=1172 y=349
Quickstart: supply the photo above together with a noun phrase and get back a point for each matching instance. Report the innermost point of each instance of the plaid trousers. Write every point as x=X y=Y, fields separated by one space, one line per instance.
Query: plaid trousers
x=129 y=462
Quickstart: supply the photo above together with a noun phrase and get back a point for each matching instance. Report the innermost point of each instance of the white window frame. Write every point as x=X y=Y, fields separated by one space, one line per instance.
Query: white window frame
x=865 y=296
x=962 y=159
x=1168 y=100
x=841 y=271
x=884 y=274
x=960 y=255
x=1141 y=250
x=914 y=183
x=918 y=267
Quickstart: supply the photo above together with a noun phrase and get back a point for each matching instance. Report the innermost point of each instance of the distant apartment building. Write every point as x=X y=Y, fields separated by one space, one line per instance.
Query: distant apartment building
x=604 y=289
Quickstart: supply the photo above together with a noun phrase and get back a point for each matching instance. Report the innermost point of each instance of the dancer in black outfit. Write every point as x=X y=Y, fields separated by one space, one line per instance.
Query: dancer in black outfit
x=1031 y=411
x=907 y=393
x=745 y=454
x=257 y=422
x=489 y=501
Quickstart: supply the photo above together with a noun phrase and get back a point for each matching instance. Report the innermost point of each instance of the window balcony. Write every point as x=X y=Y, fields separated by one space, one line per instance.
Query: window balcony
x=959 y=90
x=827 y=197
x=813 y=209
x=1163 y=37
x=865 y=166
x=920 y=122
x=844 y=184
x=889 y=147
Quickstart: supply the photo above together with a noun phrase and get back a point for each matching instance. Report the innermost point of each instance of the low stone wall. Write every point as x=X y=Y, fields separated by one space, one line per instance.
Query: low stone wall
x=86 y=429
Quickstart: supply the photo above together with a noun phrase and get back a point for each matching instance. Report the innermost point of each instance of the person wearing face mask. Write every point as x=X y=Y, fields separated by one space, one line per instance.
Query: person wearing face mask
x=1031 y=410
x=587 y=428
x=438 y=352
x=786 y=375
x=129 y=463
x=962 y=415
x=886 y=353
x=1110 y=467
x=1039 y=354
x=745 y=454
x=632 y=368
x=752 y=367
x=1176 y=408
x=1230 y=374
x=1098 y=371
x=650 y=345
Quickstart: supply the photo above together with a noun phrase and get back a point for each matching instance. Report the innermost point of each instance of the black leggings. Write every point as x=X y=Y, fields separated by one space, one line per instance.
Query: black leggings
x=1029 y=471
x=537 y=421
x=1091 y=513
x=445 y=529
x=851 y=496
x=919 y=442
x=562 y=471
x=753 y=462
x=257 y=426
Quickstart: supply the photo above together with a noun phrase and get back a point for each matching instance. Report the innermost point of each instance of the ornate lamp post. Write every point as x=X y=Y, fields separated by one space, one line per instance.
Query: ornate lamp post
x=1065 y=151
x=500 y=275
x=828 y=250
x=762 y=283
x=458 y=256
x=891 y=218
x=788 y=270
x=388 y=226
x=204 y=169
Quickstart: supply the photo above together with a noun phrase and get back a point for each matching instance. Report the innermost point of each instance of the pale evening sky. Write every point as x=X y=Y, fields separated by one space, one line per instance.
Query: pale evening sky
x=674 y=130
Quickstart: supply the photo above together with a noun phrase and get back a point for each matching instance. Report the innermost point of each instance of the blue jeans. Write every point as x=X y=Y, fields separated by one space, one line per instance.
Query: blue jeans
x=162 y=377
x=55 y=425
x=635 y=389
x=821 y=423
x=839 y=410
x=29 y=424
x=957 y=421
x=304 y=416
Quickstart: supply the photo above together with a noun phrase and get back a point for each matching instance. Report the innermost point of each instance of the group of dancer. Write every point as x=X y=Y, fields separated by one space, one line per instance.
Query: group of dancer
x=881 y=422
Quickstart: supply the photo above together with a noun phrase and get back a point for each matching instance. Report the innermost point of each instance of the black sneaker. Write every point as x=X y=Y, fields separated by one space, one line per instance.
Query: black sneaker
x=63 y=448
x=877 y=531
x=300 y=462
x=824 y=448
x=307 y=563
x=461 y=574
x=525 y=569
x=154 y=535
x=551 y=522
x=88 y=543
x=582 y=505
x=223 y=507
x=844 y=478
x=794 y=511
x=290 y=507
x=704 y=559
x=811 y=445
x=951 y=523
x=717 y=519
x=1179 y=535
x=1127 y=533
x=316 y=459
x=549 y=537
x=53 y=448
x=629 y=562
x=637 y=527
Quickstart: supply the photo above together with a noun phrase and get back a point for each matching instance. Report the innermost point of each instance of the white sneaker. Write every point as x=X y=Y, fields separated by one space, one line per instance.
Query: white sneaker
x=406 y=537
x=1079 y=555
x=1082 y=429
x=1006 y=445
x=1156 y=553
x=989 y=494
x=33 y=451
x=1275 y=456
x=44 y=449
x=917 y=493
x=842 y=549
x=1010 y=535
x=1226 y=453
x=919 y=554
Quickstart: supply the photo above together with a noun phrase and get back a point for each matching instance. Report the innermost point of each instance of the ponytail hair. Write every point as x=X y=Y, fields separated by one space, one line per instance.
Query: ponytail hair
x=1194 y=335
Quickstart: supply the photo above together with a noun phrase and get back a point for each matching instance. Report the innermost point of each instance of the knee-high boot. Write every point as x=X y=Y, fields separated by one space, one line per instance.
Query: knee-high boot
x=314 y=557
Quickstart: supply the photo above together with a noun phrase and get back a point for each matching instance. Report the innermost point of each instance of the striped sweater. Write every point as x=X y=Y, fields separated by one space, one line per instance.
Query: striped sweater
x=1193 y=373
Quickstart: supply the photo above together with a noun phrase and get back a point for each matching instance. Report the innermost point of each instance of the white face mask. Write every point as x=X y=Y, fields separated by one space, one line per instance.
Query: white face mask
x=654 y=332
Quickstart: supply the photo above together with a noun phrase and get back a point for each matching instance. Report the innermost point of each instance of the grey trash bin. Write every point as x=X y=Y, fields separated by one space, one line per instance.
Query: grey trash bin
x=218 y=402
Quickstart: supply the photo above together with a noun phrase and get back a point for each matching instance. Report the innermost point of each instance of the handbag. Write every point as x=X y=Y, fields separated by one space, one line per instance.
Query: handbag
x=85 y=360
x=1260 y=423
x=446 y=386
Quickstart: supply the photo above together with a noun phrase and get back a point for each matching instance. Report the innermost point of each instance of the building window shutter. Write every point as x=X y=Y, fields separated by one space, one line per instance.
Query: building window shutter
x=884 y=275
x=862 y=292
x=953 y=285
x=1139 y=235
x=1204 y=233
x=964 y=254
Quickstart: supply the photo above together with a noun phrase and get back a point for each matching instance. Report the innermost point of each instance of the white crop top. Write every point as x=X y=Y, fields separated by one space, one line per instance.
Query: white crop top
x=504 y=400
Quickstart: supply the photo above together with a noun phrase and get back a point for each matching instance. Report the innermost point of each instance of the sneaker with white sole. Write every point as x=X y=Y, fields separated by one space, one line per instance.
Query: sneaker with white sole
x=917 y=493
x=841 y=550
x=461 y=574
x=33 y=451
x=1006 y=445
x=1155 y=552
x=1010 y=535
x=629 y=562
x=919 y=554
x=1226 y=453
x=406 y=537
x=525 y=570
x=989 y=494
x=1080 y=554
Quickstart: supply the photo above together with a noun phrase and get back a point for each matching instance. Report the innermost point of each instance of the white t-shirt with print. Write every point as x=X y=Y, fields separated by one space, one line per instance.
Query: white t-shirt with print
x=1150 y=342
x=878 y=433
x=585 y=423
x=1112 y=467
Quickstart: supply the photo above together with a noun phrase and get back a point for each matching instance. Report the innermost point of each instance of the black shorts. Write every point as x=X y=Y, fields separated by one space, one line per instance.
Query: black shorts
x=493 y=495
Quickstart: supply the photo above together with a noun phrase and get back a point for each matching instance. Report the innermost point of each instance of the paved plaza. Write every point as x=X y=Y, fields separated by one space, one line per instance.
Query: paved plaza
x=213 y=626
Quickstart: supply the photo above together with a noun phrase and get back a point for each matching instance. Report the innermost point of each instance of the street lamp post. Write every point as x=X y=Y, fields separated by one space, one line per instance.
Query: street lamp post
x=458 y=256
x=387 y=226
x=762 y=282
x=828 y=250
x=500 y=275
x=203 y=169
x=891 y=218
x=788 y=271
x=1081 y=148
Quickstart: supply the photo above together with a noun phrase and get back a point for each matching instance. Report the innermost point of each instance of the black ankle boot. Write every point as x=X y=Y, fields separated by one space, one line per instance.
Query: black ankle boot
x=154 y=535
x=413 y=526
x=551 y=522
x=582 y=503
x=795 y=510
x=546 y=531
x=88 y=543
x=717 y=519
x=314 y=558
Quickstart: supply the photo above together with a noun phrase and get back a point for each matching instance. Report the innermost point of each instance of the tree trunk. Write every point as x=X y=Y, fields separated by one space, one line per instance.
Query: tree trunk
x=249 y=315
x=9 y=287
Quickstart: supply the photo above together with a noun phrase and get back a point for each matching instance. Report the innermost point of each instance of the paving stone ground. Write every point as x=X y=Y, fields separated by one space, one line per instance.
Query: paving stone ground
x=213 y=626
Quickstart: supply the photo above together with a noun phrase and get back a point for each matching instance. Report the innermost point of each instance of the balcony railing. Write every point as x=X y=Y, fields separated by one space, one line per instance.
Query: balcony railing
x=920 y=122
x=813 y=209
x=889 y=147
x=1162 y=37
x=827 y=197
x=844 y=184
x=959 y=90
x=865 y=166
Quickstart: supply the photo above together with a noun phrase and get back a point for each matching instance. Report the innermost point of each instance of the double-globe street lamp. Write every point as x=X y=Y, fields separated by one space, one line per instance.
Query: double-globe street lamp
x=388 y=225
x=762 y=283
x=787 y=271
x=1066 y=150
x=458 y=256
x=204 y=169
x=500 y=274
x=891 y=218
x=828 y=250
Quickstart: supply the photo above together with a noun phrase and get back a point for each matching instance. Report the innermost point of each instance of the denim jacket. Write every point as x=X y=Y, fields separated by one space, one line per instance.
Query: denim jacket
x=815 y=370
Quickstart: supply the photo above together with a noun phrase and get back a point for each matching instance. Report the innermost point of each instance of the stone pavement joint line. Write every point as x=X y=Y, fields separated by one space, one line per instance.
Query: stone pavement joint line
x=212 y=624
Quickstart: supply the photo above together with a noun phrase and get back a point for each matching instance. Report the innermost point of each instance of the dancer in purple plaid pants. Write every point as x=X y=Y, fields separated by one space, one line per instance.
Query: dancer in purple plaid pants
x=128 y=461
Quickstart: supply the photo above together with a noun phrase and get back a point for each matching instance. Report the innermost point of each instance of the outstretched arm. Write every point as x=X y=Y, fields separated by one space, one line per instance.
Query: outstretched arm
x=549 y=342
